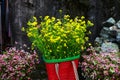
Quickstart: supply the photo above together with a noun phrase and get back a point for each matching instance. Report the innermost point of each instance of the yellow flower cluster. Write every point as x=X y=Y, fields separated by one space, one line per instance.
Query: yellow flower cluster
x=59 y=38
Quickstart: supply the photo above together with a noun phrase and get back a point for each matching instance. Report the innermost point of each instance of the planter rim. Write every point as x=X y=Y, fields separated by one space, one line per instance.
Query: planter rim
x=61 y=60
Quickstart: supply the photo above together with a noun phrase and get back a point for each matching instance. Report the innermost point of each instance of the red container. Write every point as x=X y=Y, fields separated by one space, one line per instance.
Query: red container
x=65 y=70
x=51 y=71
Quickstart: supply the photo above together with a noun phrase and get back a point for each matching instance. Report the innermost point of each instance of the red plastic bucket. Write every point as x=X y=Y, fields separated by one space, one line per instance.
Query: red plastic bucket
x=65 y=70
x=51 y=71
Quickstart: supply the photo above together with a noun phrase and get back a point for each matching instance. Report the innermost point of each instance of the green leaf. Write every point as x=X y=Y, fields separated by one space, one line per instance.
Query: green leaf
x=112 y=70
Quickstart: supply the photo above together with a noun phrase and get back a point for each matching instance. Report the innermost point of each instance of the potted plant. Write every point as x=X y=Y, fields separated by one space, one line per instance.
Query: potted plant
x=100 y=65
x=17 y=64
x=60 y=41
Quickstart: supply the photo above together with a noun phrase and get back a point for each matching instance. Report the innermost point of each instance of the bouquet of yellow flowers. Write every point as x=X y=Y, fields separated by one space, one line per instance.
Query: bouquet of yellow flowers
x=58 y=38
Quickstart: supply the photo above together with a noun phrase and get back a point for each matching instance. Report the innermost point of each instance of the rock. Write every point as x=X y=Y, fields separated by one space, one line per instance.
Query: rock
x=113 y=28
x=106 y=28
x=105 y=32
x=109 y=47
x=105 y=36
x=113 y=33
x=110 y=22
x=118 y=30
x=118 y=24
x=113 y=40
x=109 y=40
x=118 y=37
x=98 y=40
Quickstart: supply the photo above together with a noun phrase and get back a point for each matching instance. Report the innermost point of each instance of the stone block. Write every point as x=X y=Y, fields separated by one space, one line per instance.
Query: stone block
x=118 y=37
x=109 y=47
x=118 y=24
x=110 y=22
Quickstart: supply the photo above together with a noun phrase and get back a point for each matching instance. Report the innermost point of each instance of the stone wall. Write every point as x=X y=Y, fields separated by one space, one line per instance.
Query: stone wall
x=109 y=36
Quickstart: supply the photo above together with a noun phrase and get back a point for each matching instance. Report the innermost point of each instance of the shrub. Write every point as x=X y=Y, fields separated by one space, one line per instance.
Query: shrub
x=17 y=64
x=58 y=38
x=102 y=66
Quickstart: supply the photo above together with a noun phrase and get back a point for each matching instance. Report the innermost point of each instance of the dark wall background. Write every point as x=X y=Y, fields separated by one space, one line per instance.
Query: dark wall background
x=97 y=11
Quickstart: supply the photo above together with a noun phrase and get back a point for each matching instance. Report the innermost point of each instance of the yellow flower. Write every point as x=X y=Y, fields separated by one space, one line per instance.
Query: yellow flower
x=40 y=17
x=89 y=23
x=55 y=26
x=63 y=35
x=53 y=18
x=76 y=36
x=73 y=24
x=89 y=44
x=68 y=25
x=58 y=38
x=34 y=18
x=58 y=47
x=67 y=32
x=48 y=22
x=29 y=34
x=46 y=17
x=35 y=28
x=50 y=50
x=76 y=19
x=61 y=40
x=23 y=29
x=82 y=17
x=82 y=48
x=32 y=46
x=66 y=16
x=86 y=38
x=34 y=23
x=65 y=45
x=45 y=35
x=65 y=40
x=59 y=23
x=52 y=40
x=78 y=40
x=83 y=22
x=60 y=11
x=71 y=20
x=89 y=32
x=61 y=30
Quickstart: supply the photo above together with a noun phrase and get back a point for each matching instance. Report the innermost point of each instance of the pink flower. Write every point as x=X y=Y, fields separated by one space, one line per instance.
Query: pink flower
x=101 y=66
x=105 y=73
x=16 y=64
